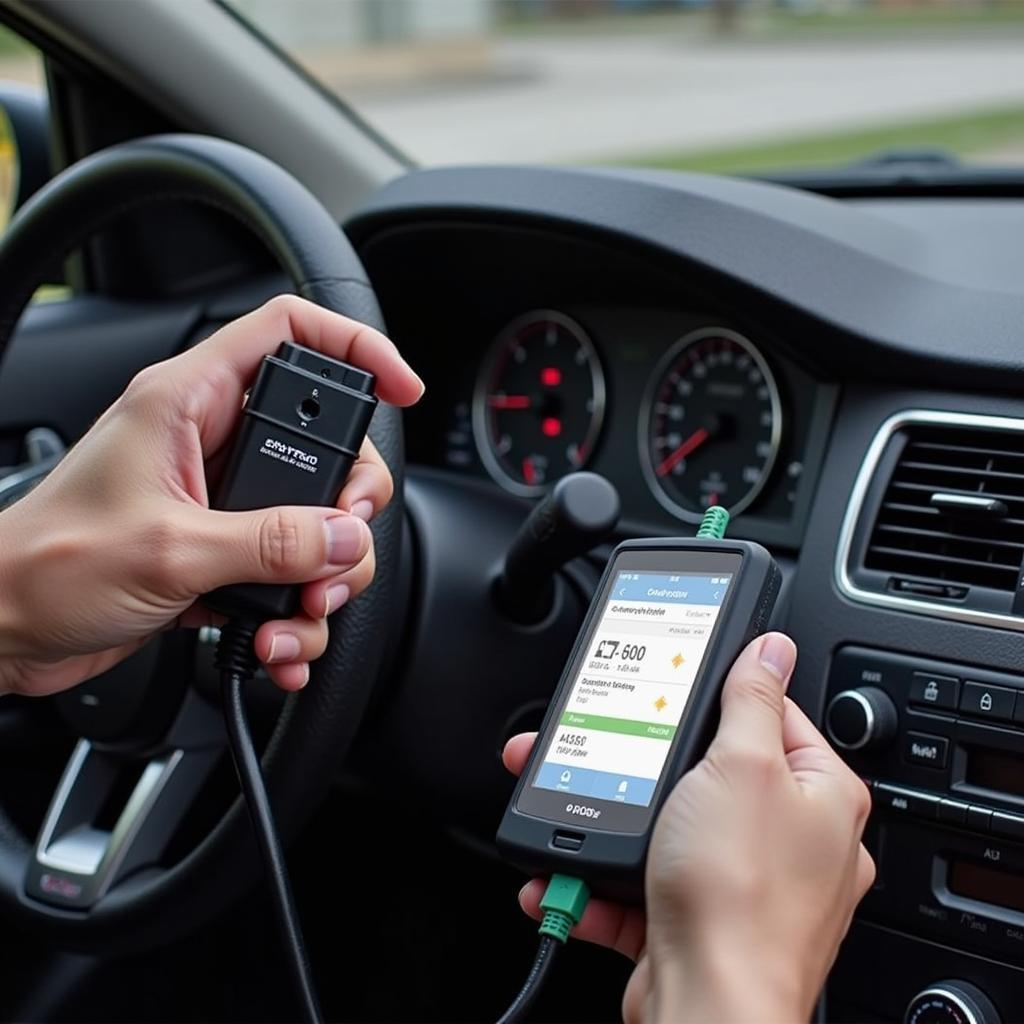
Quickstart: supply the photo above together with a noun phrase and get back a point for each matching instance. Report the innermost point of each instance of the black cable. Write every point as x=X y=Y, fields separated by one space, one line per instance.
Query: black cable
x=237 y=663
x=534 y=981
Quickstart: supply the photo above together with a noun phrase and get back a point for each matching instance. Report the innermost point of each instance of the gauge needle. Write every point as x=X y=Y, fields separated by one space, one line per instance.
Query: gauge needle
x=508 y=401
x=690 y=445
x=529 y=473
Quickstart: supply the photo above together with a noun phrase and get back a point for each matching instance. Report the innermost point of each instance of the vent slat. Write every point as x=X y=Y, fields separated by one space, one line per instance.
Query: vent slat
x=913 y=540
x=928 y=510
x=945 y=488
x=1010 y=547
x=980 y=474
x=973 y=563
x=967 y=449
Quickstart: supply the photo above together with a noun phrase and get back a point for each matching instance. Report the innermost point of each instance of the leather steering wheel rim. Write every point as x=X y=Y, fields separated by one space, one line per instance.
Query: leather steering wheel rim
x=315 y=729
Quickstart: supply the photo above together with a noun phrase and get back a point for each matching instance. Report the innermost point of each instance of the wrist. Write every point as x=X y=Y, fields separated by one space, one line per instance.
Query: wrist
x=13 y=639
x=724 y=980
x=8 y=625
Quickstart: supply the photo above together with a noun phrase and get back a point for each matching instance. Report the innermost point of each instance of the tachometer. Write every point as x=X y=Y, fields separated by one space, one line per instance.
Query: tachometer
x=538 y=403
x=710 y=424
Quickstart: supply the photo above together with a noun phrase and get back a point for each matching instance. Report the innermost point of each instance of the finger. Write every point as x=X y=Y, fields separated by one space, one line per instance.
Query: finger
x=291 y=677
x=798 y=731
x=243 y=343
x=324 y=597
x=517 y=752
x=865 y=870
x=603 y=923
x=809 y=755
x=369 y=486
x=752 y=708
x=820 y=771
x=282 y=641
x=634 y=1000
x=287 y=544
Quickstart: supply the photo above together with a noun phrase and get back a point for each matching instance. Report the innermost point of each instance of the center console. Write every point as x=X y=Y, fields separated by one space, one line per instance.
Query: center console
x=941 y=744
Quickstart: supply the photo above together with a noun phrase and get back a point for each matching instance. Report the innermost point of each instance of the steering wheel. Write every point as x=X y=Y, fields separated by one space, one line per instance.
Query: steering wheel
x=93 y=879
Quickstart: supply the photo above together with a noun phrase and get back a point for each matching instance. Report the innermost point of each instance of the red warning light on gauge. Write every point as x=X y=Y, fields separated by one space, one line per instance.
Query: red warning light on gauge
x=538 y=402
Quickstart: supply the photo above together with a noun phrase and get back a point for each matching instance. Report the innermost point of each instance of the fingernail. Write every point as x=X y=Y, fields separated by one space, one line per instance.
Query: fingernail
x=283 y=647
x=344 y=539
x=305 y=675
x=778 y=654
x=363 y=509
x=335 y=597
x=423 y=387
x=522 y=892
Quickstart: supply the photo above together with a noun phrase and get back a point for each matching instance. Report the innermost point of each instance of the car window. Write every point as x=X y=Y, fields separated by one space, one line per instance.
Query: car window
x=710 y=85
x=21 y=65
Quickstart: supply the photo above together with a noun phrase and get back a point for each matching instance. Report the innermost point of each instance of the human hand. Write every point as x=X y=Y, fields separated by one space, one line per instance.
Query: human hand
x=119 y=542
x=754 y=869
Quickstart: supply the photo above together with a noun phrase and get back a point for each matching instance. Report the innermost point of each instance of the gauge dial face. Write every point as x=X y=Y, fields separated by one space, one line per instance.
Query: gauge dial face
x=710 y=424
x=538 y=403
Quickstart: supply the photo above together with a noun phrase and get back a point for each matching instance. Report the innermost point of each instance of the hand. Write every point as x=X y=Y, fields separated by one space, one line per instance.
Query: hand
x=119 y=542
x=754 y=869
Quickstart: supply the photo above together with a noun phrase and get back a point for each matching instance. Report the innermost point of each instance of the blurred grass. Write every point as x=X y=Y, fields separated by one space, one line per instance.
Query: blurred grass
x=761 y=20
x=969 y=134
x=12 y=45
x=886 y=20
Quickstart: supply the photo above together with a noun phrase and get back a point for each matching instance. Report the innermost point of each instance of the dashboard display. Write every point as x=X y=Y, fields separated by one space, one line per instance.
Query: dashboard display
x=538 y=403
x=710 y=424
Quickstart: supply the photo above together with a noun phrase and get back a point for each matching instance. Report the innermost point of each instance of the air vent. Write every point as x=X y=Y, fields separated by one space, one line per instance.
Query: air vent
x=936 y=524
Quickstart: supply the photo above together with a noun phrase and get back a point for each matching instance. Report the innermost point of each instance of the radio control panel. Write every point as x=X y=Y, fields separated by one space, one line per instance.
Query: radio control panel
x=941 y=745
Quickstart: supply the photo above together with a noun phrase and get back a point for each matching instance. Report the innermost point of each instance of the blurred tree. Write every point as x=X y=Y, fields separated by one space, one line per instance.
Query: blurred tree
x=726 y=13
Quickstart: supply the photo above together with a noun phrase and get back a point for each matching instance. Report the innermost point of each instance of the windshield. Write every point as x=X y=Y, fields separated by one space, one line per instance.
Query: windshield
x=710 y=85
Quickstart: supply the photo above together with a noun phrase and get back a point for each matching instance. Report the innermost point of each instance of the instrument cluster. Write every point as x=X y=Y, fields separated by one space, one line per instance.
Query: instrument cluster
x=679 y=412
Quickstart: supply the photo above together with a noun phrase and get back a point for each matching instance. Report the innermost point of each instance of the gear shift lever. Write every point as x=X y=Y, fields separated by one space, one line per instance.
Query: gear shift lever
x=579 y=512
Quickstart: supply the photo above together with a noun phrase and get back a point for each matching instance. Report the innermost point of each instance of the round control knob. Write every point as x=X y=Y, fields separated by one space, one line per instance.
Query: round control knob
x=861 y=719
x=951 y=1002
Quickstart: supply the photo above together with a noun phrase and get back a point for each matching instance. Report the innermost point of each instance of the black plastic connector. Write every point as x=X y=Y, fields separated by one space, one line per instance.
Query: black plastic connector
x=303 y=424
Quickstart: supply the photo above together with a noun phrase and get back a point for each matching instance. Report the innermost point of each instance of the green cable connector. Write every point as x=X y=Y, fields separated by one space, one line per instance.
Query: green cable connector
x=713 y=525
x=563 y=904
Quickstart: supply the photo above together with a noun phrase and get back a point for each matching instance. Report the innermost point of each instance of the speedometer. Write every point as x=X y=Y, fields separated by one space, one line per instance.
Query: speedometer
x=538 y=403
x=710 y=424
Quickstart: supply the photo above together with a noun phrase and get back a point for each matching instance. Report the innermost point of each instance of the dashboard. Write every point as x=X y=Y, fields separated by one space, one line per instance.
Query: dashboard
x=845 y=376
x=677 y=408
x=585 y=361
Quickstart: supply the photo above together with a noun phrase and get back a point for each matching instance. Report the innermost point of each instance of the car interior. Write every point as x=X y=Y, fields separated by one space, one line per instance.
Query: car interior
x=833 y=354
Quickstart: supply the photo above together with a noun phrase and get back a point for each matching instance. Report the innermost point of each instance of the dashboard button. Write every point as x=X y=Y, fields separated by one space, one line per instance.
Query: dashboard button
x=1018 y=711
x=978 y=818
x=861 y=719
x=906 y=801
x=1011 y=826
x=951 y=1002
x=988 y=701
x=953 y=811
x=934 y=691
x=921 y=748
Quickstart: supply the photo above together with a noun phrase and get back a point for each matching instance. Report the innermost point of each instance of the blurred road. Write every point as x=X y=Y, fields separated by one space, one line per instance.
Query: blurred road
x=600 y=97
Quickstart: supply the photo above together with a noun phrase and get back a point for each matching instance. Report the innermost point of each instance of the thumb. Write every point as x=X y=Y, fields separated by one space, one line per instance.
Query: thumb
x=753 y=695
x=285 y=544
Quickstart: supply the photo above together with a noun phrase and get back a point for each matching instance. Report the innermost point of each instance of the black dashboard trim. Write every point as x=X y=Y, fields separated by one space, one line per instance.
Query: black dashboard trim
x=890 y=299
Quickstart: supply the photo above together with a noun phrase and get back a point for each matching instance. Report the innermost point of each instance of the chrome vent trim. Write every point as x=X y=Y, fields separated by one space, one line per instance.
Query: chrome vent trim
x=847 y=587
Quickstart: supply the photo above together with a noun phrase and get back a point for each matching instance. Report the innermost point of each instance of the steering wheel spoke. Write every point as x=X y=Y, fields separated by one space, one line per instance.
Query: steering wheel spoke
x=111 y=816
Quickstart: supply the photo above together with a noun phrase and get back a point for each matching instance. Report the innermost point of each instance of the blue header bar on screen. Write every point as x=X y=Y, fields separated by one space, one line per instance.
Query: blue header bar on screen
x=664 y=588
